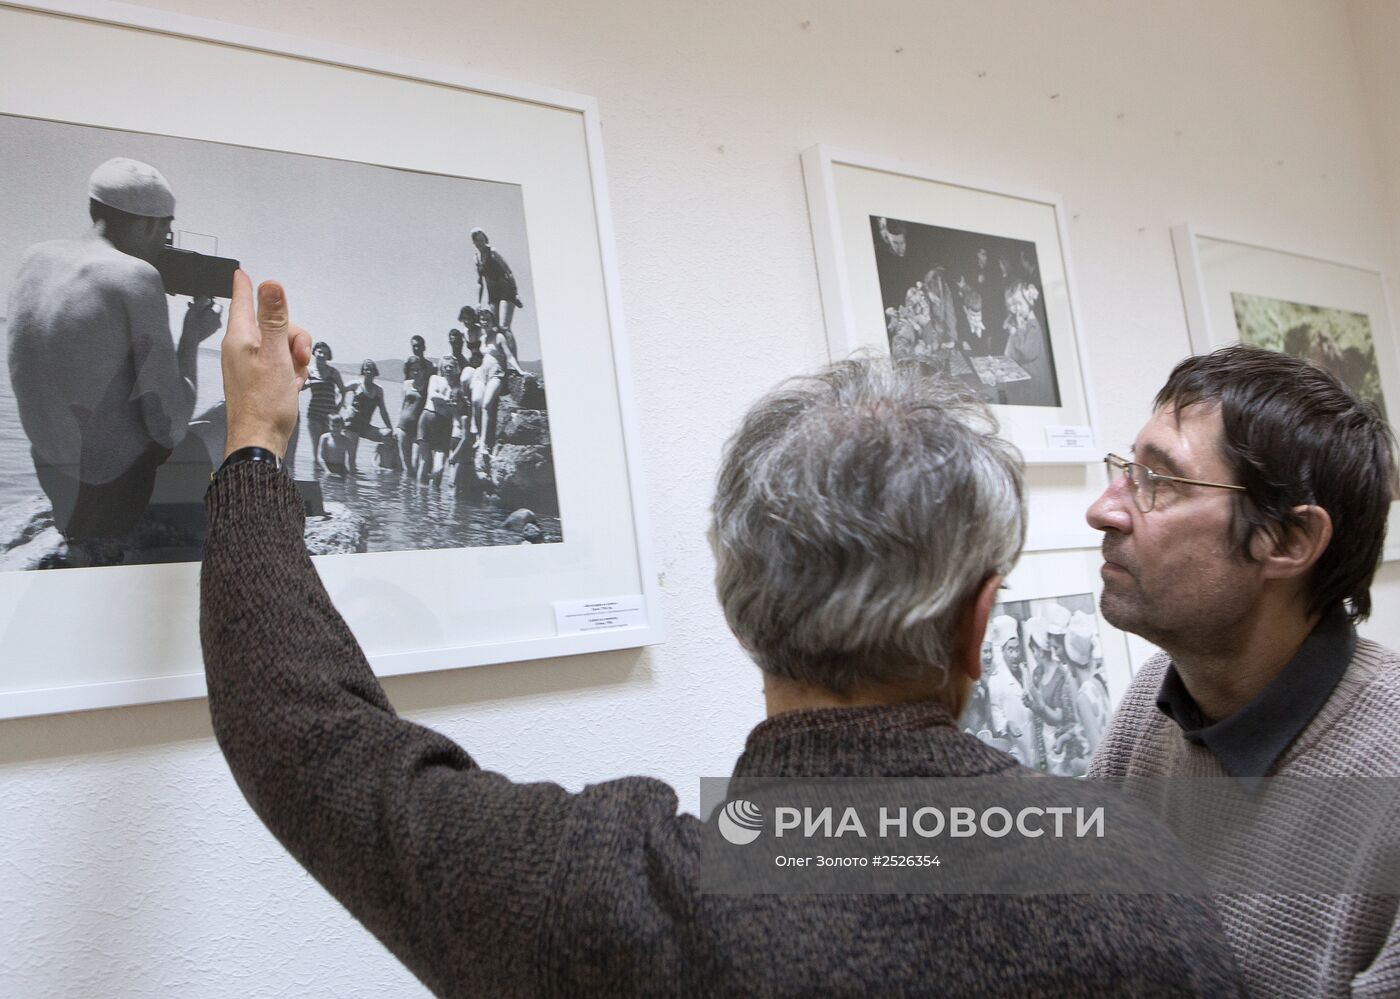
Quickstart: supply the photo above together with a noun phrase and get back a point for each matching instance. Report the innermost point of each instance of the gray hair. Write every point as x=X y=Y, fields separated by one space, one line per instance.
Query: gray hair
x=857 y=510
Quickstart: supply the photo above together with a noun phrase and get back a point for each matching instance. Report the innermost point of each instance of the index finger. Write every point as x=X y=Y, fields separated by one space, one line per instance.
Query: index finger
x=241 y=323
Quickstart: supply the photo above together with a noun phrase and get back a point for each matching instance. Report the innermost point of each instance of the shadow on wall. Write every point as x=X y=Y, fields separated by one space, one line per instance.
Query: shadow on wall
x=118 y=730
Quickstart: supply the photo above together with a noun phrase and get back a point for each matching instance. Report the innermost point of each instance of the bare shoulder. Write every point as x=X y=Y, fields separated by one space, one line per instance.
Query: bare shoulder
x=93 y=263
x=120 y=271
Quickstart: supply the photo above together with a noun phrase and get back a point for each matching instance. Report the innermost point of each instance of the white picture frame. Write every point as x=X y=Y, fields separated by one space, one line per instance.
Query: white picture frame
x=1040 y=579
x=75 y=639
x=1221 y=274
x=848 y=192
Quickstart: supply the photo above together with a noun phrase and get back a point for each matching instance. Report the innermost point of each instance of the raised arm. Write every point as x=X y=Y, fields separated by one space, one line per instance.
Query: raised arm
x=165 y=377
x=449 y=865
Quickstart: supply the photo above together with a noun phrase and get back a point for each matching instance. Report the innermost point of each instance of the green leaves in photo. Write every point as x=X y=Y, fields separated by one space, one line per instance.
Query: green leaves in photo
x=1334 y=340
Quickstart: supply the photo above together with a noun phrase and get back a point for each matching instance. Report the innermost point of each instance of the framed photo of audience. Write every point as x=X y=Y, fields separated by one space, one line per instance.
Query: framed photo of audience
x=1335 y=314
x=1053 y=670
x=466 y=446
x=965 y=279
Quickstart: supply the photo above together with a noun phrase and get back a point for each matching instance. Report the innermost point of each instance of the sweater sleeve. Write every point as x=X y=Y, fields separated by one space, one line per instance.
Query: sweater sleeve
x=447 y=864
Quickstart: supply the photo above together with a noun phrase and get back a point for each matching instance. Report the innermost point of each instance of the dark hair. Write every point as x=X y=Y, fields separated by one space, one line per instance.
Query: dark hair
x=322 y=345
x=99 y=212
x=1294 y=435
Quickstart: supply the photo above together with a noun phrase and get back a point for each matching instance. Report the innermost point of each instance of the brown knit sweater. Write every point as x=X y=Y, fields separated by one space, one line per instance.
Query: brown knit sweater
x=1286 y=944
x=485 y=887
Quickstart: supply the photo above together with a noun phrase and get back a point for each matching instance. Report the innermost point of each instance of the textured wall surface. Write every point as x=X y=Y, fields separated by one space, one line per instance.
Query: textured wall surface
x=129 y=863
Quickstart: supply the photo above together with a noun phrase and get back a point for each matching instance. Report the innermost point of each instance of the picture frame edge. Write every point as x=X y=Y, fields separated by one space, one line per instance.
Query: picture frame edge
x=134 y=691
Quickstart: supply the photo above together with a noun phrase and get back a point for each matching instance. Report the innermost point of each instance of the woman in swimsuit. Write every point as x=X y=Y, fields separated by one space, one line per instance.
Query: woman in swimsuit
x=365 y=398
x=440 y=419
x=494 y=281
x=327 y=393
x=488 y=382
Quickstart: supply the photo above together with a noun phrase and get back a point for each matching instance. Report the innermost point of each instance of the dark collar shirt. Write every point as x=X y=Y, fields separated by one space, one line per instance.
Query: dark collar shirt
x=1249 y=742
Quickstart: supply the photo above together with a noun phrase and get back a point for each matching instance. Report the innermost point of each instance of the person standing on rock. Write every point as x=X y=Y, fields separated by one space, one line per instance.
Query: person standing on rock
x=104 y=394
x=488 y=381
x=494 y=281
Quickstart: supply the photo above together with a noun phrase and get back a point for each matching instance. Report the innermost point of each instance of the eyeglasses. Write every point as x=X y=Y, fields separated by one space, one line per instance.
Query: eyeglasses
x=1144 y=480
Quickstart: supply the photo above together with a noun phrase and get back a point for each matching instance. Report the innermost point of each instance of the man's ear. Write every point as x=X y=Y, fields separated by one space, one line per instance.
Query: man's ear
x=1291 y=552
x=972 y=628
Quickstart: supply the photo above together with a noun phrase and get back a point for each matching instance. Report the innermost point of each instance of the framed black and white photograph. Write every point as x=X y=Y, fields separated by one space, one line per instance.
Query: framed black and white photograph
x=424 y=423
x=963 y=279
x=1052 y=669
x=1335 y=314
x=465 y=444
x=967 y=304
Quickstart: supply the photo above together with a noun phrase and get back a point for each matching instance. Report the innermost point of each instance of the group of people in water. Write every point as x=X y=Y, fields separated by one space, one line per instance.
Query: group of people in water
x=448 y=416
x=1043 y=696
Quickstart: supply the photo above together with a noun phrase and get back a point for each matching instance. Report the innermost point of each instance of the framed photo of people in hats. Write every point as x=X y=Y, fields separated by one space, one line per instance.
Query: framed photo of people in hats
x=1053 y=669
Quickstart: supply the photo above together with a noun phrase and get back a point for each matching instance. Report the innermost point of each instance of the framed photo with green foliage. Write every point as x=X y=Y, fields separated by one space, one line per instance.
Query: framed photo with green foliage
x=1335 y=314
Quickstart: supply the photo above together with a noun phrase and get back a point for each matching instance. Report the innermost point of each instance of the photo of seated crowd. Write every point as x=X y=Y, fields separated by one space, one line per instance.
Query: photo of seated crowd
x=1043 y=696
x=969 y=305
x=110 y=425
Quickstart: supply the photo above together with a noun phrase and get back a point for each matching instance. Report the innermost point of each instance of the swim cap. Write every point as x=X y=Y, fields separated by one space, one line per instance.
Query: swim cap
x=133 y=187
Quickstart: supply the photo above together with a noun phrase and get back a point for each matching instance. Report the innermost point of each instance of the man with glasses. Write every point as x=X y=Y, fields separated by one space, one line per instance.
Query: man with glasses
x=1241 y=537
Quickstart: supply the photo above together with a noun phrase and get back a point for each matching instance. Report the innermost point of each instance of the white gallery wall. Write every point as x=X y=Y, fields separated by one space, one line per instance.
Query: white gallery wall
x=129 y=863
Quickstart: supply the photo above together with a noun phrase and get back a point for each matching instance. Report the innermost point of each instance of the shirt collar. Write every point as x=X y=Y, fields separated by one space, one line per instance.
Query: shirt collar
x=1249 y=742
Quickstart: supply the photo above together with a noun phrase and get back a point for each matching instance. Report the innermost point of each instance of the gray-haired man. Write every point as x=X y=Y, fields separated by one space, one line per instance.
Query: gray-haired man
x=862 y=522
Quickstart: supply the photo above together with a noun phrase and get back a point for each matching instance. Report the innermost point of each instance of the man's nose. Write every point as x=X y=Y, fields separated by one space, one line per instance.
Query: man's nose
x=1112 y=511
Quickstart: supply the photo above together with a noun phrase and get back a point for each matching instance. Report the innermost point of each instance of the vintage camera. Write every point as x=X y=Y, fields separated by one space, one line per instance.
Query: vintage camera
x=199 y=275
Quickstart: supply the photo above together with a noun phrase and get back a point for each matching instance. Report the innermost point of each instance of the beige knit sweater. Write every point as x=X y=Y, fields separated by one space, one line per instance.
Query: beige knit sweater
x=1316 y=944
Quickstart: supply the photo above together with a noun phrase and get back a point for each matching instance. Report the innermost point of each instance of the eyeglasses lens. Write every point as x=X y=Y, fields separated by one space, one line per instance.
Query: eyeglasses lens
x=1138 y=478
x=1143 y=487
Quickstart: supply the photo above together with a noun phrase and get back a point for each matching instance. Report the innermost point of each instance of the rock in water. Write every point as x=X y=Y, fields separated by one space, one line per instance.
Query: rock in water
x=340 y=532
x=464 y=478
x=518 y=520
x=524 y=476
x=525 y=426
x=527 y=393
